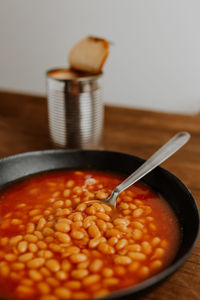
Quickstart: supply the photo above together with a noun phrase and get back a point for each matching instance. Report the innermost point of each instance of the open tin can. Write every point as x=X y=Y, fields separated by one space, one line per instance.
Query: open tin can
x=75 y=109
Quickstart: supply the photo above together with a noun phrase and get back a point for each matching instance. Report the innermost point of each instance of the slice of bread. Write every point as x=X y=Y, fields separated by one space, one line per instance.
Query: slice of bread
x=89 y=55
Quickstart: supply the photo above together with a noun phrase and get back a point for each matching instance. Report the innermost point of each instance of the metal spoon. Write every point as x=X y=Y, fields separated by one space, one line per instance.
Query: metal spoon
x=173 y=145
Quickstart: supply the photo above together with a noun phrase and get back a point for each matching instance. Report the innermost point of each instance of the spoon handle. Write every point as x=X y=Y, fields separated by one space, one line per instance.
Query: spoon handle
x=156 y=159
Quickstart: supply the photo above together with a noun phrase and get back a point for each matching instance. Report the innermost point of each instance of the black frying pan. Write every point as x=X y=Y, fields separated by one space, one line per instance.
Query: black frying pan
x=170 y=187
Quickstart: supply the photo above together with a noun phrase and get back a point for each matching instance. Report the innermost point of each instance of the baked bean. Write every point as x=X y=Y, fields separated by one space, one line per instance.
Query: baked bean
x=113 y=233
x=88 y=221
x=78 y=235
x=132 y=206
x=25 y=257
x=36 y=263
x=41 y=245
x=93 y=231
x=77 y=190
x=90 y=210
x=10 y=257
x=4 y=270
x=158 y=253
x=62 y=227
x=134 y=248
x=137 y=212
x=39 y=235
x=43 y=288
x=45 y=272
x=4 y=241
x=152 y=227
x=53 y=265
x=35 y=275
x=121 y=221
x=48 y=231
x=134 y=266
x=137 y=255
x=77 y=258
x=27 y=281
x=101 y=293
x=113 y=240
x=24 y=291
x=66 y=193
x=61 y=275
x=109 y=225
x=121 y=244
x=91 y=279
x=81 y=207
x=101 y=224
x=137 y=225
x=96 y=265
x=62 y=212
x=122 y=260
x=79 y=274
x=63 y=237
x=55 y=247
x=164 y=244
x=18 y=266
x=52 y=281
x=56 y=194
x=124 y=205
x=72 y=250
x=103 y=216
x=106 y=248
x=22 y=246
x=156 y=264
x=107 y=272
x=14 y=240
x=68 y=203
x=137 y=234
x=83 y=265
x=63 y=293
x=146 y=247
x=93 y=243
x=99 y=207
x=16 y=222
x=73 y=285
x=32 y=247
x=70 y=183
x=66 y=266
x=49 y=239
x=59 y=203
x=111 y=281
x=156 y=241
x=80 y=295
x=31 y=238
x=34 y=212
x=144 y=272
x=41 y=223
x=64 y=220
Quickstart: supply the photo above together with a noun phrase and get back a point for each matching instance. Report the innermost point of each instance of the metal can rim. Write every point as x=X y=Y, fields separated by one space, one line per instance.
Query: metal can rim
x=88 y=76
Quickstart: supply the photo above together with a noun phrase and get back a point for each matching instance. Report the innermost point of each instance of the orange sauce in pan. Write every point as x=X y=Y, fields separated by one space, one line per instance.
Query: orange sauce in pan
x=52 y=246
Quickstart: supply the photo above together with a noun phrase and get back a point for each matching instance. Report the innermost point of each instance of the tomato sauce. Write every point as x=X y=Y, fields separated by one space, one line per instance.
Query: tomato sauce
x=55 y=247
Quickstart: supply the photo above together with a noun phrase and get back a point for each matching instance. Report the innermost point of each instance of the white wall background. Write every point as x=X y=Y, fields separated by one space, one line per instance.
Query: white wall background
x=154 y=64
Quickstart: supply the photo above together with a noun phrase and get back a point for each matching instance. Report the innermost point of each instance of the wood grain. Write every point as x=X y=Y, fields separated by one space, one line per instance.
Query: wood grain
x=24 y=127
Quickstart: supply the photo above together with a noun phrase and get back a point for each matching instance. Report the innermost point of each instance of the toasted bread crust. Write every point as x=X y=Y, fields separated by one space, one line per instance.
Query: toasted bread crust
x=89 y=55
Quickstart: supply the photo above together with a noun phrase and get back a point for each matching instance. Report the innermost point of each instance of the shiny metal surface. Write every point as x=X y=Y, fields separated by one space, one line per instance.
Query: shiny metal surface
x=75 y=112
x=163 y=153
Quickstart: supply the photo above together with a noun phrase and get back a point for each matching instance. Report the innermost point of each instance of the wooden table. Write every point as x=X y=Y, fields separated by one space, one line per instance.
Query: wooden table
x=24 y=127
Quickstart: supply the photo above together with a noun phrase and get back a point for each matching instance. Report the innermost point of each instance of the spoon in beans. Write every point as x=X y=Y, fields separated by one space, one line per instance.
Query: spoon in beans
x=173 y=145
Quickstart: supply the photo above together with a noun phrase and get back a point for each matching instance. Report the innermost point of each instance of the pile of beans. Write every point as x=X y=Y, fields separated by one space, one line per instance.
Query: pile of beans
x=54 y=247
